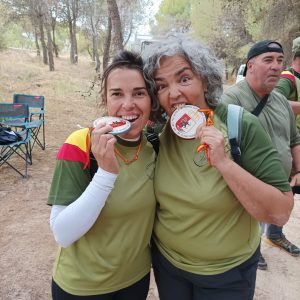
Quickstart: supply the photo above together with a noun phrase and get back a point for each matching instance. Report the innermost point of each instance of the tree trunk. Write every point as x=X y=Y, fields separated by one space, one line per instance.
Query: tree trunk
x=107 y=44
x=72 y=51
x=50 y=49
x=47 y=24
x=42 y=39
x=74 y=31
x=55 y=47
x=95 y=54
x=73 y=14
x=36 y=40
x=117 y=39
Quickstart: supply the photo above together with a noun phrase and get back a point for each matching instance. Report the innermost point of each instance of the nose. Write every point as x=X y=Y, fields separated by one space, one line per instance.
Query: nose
x=277 y=65
x=128 y=102
x=174 y=91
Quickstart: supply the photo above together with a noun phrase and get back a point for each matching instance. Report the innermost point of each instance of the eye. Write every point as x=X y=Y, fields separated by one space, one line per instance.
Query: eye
x=185 y=80
x=115 y=94
x=140 y=93
x=160 y=87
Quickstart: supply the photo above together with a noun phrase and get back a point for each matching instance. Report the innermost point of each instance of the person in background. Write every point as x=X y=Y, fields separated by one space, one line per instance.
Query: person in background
x=103 y=224
x=289 y=82
x=256 y=92
x=206 y=235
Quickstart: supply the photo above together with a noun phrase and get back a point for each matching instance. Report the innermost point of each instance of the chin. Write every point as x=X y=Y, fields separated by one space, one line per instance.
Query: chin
x=131 y=135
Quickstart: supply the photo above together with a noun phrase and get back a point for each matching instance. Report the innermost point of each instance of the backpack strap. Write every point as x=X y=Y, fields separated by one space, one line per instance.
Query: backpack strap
x=153 y=138
x=93 y=165
x=234 y=130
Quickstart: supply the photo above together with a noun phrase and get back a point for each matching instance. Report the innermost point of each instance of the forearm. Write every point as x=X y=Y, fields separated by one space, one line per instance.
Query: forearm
x=296 y=157
x=70 y=223
x=295 y=105
x=262 y=201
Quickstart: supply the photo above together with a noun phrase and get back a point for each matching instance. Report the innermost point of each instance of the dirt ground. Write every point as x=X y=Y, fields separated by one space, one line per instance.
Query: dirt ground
x=27 y=248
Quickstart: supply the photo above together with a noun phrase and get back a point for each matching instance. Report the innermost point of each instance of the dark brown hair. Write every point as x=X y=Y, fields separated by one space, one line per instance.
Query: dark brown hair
x=133 y=61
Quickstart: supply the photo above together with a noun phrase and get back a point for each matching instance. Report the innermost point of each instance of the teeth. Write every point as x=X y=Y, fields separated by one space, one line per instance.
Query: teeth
x=178 y=106
x=129 y=117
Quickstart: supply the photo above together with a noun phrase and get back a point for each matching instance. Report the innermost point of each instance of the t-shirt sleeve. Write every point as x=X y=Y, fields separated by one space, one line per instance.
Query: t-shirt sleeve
x=258 y=155
x=284 y=86
x=69 y=181
x=71 y=174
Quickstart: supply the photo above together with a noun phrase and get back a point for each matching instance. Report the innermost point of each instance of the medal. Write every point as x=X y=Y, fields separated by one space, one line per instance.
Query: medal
x=119 y=125
x=185 y=120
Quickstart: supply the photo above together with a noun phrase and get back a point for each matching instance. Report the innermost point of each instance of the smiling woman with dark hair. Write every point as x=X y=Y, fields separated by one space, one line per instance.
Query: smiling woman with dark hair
x=103 y=224
x=206 y=233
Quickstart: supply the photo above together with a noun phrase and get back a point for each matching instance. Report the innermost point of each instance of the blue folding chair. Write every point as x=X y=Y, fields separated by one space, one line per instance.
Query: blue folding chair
x=36 y=106
x=8 y=113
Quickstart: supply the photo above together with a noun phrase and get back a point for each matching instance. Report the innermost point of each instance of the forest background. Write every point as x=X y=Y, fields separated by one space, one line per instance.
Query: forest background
x=99 y=28
x=58 y=49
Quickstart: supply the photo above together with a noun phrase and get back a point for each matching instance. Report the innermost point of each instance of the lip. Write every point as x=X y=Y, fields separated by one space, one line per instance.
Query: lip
x=131 y=118
x=274 y=77
x=178 y=105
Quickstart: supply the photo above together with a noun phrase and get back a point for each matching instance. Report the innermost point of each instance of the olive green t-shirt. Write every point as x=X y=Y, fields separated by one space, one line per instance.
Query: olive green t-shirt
x=276 y=117
x=200 y=226
x=114 y=253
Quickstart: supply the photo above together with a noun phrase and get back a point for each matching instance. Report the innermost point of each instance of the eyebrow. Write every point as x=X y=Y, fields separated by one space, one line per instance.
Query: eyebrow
x=136 y=88
x=271 y=56
x=180 y=71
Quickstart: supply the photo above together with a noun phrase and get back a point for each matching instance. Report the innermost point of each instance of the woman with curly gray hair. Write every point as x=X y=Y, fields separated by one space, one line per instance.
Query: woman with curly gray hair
x=206 y=238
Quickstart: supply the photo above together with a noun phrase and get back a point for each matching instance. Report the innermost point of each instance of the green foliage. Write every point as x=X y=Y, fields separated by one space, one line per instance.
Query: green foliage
x=173 y=15
x=205 y=19
x=16 y=37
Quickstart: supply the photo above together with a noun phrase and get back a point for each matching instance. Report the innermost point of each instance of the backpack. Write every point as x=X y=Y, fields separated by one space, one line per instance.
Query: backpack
x=8 y=136
x=234 y=130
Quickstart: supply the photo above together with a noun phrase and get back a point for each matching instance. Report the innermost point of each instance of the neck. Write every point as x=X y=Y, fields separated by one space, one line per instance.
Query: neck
x=296 y=64
x=129 y=142
x=260 y=92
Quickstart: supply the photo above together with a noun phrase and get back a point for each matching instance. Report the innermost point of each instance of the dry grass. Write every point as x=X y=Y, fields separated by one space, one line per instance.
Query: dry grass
x=66 y=89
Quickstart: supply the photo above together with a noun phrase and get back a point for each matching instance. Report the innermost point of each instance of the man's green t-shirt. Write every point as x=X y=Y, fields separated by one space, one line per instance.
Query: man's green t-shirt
x=200 y=226
x=276 y=117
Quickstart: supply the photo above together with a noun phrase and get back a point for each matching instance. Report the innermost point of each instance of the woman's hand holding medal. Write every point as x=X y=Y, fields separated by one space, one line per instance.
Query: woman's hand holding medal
x=103 y=148
x=212 y=140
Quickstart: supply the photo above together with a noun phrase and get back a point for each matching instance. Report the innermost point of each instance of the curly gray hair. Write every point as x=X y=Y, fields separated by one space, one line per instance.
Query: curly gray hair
x=202 y=61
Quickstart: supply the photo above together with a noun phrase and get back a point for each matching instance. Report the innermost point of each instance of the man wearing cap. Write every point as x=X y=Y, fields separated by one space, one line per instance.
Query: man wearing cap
x=289 y=82
x=257 y=94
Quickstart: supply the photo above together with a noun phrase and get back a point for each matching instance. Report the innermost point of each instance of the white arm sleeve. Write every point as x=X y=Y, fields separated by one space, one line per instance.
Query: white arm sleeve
x=69 y=223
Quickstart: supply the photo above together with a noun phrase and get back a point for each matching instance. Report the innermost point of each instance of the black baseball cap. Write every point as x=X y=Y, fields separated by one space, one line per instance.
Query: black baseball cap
x=263 y=47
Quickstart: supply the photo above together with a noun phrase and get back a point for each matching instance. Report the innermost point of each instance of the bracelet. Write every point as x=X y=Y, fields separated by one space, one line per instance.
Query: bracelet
x=298 y=172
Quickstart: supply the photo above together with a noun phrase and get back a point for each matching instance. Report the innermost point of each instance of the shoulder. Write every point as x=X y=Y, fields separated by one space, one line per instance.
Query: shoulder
x=78 y=137
x=232 y=94
x=76 y=147
x=280 y=97
x=288 y=75
x=248 y=119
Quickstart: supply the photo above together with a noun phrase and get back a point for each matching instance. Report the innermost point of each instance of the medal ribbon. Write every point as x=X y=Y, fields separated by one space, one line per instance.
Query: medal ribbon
x=209 y=121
